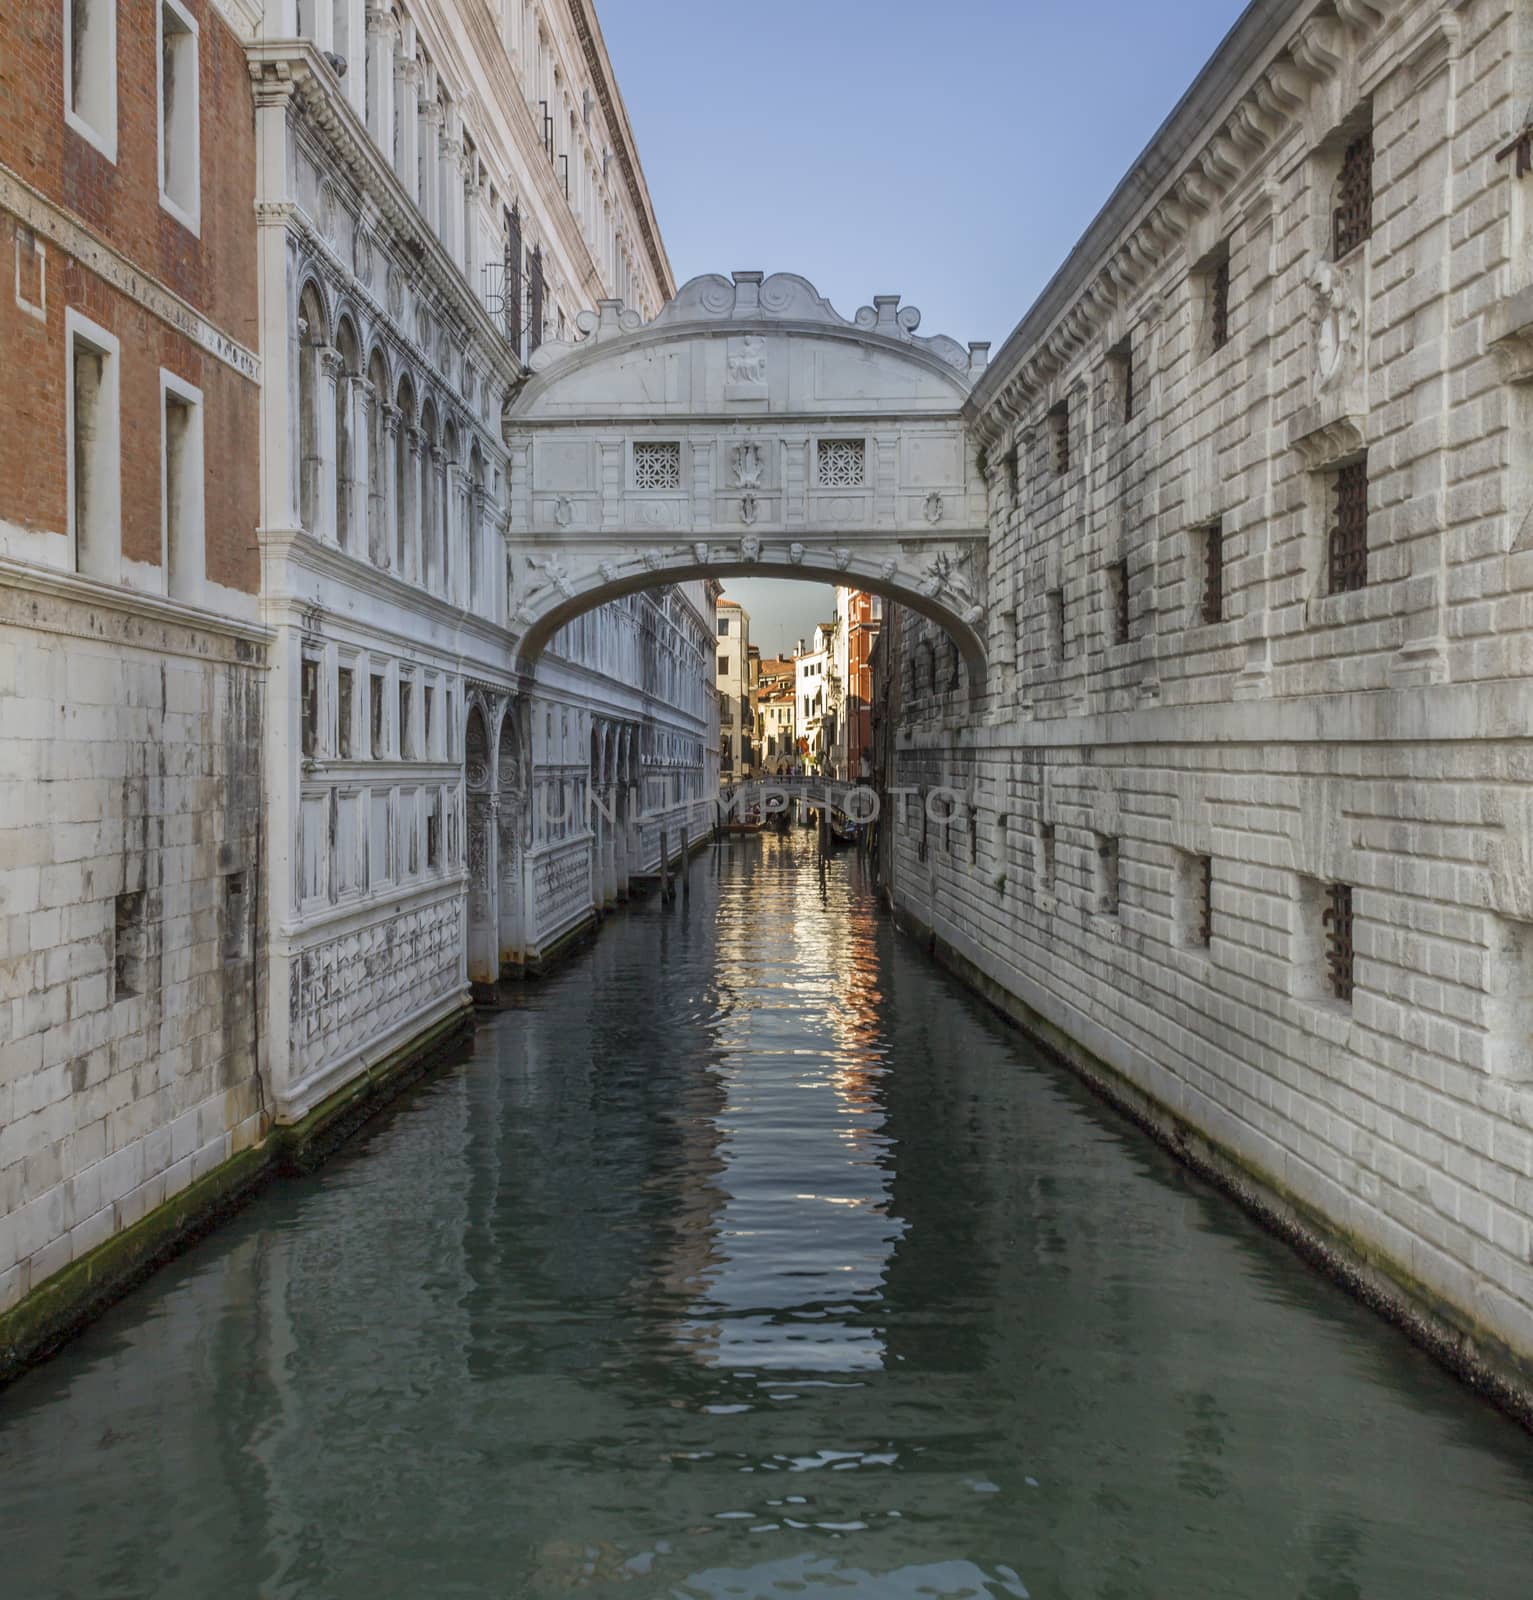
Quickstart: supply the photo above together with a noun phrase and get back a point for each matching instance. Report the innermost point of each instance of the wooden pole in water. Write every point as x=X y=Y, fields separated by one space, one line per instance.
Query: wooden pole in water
x=667 y=894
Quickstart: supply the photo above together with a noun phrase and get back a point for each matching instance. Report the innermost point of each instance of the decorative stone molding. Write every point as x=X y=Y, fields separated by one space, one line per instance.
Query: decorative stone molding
x=1325 y=443
x=784 y=297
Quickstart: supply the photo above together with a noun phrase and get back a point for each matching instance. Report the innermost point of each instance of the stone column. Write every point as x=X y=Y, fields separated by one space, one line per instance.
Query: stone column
x=429 y=198
x=407 y=78
x=471 y=193
x=382 y=43
x=449 y=185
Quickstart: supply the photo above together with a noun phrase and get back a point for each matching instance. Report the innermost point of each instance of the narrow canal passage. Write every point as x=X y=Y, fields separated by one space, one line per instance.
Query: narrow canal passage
x=750 y=1257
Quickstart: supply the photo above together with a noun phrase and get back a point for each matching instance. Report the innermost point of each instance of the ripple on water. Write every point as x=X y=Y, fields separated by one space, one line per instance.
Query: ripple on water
x=750 y=1198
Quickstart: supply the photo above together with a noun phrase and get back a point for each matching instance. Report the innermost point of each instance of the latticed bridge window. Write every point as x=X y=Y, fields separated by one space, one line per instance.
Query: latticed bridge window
x=1347 y=555
x=657 y=466
x=1352 y=218
x=842 y=463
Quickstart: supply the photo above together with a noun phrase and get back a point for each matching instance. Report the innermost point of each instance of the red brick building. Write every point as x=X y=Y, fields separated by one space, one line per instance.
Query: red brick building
x=131 y=654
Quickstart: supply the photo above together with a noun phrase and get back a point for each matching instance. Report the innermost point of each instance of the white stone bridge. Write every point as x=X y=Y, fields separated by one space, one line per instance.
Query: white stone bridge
x=749 y=430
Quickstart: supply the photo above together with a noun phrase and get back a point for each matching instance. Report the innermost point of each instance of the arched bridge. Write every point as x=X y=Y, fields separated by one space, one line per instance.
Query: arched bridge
x=749 y=430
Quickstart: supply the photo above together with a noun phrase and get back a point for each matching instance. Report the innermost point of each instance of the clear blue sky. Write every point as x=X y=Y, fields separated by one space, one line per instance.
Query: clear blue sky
x=951 y=154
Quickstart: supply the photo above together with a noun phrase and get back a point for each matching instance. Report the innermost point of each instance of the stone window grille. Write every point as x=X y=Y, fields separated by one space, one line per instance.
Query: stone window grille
x=309 y=697
x=345 y=689
x=1336 y=919
x=1211 y=606
x=1107 y=874
x=657 y=465
x=1117 y=594
x=129 y=940
x=1059 y=436
x=1347 y=544
x=1352 y=215
x=841 y=463
x=1219 y=301
x=1046 y=857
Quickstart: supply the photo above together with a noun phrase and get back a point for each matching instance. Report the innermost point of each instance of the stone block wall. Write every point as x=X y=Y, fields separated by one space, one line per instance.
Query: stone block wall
x=130 y=916
x=1169 y=808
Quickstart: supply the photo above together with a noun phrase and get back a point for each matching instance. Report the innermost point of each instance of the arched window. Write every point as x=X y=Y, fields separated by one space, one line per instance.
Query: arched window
x=405 y=464
x=430 y=501
x=453 y=517
x=475 y=502
x=377 y=461
x=346 y=512
x=311 y=339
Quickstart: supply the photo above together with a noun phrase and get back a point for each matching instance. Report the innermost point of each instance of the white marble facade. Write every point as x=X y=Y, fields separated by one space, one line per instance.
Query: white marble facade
x=440 y=813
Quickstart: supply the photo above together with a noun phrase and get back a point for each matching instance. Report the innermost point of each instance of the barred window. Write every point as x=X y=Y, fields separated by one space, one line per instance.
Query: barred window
x=657 y=466
x=1219 y=302
x=1352 y=217
x=1117 y=595
x=1059 y=433
x=842 y=463
x=1203 y=900
x=1337 y=921
x=1347 y=552
x=1212 y=607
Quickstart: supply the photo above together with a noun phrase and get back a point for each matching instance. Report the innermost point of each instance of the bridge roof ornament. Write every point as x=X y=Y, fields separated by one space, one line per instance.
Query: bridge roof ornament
x=782 y=298
x=747 y=428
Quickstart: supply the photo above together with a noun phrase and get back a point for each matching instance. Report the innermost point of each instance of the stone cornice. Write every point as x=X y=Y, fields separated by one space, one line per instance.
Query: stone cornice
x=150 y=621
x=1238 y=107
x=588 y=31
x=300 y=551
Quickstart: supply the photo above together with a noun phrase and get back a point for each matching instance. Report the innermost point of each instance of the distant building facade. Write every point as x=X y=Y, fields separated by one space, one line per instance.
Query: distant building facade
x=732 y=679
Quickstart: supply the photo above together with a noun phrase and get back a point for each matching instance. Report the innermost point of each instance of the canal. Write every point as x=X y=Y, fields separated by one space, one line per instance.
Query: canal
x=749 y=1256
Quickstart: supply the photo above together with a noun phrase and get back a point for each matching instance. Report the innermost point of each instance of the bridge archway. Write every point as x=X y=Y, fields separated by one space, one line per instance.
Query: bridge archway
x=748 y=430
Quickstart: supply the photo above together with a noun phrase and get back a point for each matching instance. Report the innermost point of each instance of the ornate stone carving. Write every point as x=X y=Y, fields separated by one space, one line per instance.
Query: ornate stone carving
x=700 y=552
x=746 y=369
x=842 y=557
x=747 y=465
x=653 y=559
x=750 y=545
x=749 y=510
x=1336 y=319
x=564 y=510
x=933 y=508
x=555 y=573
x=796 y=554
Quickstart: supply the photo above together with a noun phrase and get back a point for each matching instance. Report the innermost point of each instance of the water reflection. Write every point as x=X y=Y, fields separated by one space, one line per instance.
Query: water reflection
x=749 y=1258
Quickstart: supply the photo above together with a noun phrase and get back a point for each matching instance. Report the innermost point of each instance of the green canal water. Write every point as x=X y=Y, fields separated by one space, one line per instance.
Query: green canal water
x=749 y=1256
